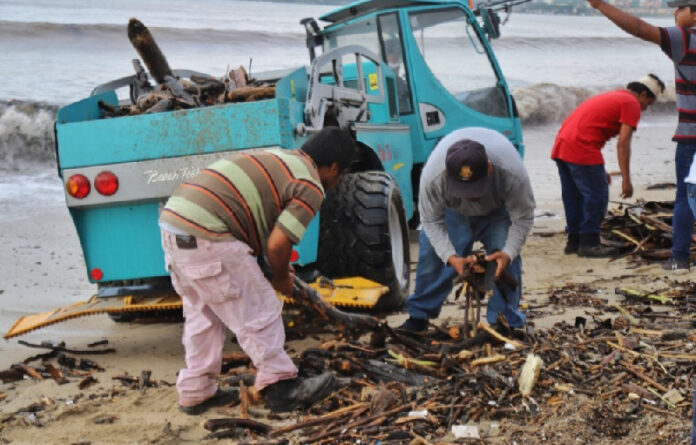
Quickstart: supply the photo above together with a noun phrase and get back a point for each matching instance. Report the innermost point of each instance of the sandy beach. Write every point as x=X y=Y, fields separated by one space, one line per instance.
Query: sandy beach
x=42 y=268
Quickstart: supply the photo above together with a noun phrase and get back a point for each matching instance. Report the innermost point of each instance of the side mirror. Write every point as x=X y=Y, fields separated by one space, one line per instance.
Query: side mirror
x=491 y=23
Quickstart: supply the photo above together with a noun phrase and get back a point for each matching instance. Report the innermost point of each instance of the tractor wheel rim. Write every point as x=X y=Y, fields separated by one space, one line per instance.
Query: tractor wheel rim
x=396 y=238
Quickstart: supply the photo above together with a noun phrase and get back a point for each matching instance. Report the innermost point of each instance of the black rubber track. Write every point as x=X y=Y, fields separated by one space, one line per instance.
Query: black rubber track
x=354 y=236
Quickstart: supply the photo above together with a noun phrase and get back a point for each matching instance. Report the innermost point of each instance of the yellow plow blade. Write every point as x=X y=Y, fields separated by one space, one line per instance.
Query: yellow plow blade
x=356 y=292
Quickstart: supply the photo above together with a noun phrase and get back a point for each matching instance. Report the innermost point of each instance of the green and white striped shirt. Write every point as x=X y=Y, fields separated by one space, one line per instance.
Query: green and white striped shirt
x=245 y=196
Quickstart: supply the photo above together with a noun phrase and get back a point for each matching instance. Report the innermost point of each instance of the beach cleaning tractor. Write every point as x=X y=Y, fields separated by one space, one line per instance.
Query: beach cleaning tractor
x=401 y=74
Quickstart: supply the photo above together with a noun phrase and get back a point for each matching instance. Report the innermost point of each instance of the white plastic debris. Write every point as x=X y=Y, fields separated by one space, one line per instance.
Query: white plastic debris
x=465 y=432
x=530 y=373
x=419 y=414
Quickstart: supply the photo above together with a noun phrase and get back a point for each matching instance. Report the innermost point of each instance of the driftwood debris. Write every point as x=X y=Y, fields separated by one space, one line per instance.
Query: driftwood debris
x=176 y=93
x=144 y=43
x=61 y=370
x=642 y=230
x=397 y=393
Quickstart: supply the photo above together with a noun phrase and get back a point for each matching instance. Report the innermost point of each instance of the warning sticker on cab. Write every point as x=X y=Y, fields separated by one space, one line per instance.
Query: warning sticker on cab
x=374 y=82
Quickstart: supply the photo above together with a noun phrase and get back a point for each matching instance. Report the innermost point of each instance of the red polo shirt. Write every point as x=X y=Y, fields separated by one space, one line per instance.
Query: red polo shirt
x=592 y=124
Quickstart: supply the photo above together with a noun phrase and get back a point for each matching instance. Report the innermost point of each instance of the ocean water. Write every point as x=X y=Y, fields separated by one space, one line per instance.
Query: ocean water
x=54 y=52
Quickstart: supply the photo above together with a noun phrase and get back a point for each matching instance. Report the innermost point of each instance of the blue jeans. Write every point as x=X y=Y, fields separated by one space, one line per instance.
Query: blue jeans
x=683 y=219
x=434 y=278
x=691 y=197
x=693 y=422
x=585 y=194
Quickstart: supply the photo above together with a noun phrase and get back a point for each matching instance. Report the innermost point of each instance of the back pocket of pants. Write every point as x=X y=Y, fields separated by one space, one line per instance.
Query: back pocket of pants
x=211 y=282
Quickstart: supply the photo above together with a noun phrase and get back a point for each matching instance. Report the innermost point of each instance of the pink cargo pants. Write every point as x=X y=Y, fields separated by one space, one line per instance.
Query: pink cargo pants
x=222 y=286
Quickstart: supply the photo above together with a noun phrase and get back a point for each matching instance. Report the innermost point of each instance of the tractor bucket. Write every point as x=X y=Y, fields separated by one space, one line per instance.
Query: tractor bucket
x=355 y=292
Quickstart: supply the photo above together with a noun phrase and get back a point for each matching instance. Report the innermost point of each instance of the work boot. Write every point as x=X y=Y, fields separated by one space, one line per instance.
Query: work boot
x=221 y=397
x=286 y=395
x=414 y=325
x=596 y=251
x=572 y=244
x=591 y=247
x=676 y=266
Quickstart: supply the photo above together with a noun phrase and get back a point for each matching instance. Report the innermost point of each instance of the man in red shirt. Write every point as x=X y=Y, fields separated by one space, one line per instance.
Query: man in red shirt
x=578 y=154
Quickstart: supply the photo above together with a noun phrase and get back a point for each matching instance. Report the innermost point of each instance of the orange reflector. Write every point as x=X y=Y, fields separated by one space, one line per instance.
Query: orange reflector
x=77 y=186
x=294 y=256
x=106 y=183
x=96 y=274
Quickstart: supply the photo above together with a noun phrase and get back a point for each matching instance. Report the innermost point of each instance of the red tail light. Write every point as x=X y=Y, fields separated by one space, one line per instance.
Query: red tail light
x=96 y=274
x=106 y=183
x=77 y=186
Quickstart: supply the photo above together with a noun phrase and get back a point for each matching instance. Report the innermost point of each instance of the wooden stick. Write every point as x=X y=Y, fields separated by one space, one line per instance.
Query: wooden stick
x=244 y=400
x=143 y=42
x=497 y=335
x=333 y=415
x=643 y=377
x=64 y=349
x=30 y=371
x=344 y=429
x=248 y=93
x=488 y=360
x=625 y=313
x=232 y=422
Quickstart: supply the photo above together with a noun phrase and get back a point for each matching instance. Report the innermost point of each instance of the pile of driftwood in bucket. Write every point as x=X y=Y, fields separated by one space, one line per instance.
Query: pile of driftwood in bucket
x=175 y=93
x=643 y=229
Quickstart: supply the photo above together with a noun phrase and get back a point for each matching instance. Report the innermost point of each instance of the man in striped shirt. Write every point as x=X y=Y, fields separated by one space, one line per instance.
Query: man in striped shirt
x=213 y=228
x=678 y=43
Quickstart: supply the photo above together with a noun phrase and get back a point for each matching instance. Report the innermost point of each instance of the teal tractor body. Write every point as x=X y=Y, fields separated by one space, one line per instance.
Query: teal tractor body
x=399 y=74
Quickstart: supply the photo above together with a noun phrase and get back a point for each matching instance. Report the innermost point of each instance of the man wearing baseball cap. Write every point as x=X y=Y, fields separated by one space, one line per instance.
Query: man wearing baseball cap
x=677 y=42
x=473 y=188
x=578 y=155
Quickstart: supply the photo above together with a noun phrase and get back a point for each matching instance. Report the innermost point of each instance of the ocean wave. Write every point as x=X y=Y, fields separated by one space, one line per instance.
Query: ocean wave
x=575 y=41
x=108 y=33
x=546 y=103
x=26 y=133
x=26 y=128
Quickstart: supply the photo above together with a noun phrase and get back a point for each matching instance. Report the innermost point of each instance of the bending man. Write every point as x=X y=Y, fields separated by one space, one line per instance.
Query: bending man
x=213 y=228
x=473 y=187
x=578 y=155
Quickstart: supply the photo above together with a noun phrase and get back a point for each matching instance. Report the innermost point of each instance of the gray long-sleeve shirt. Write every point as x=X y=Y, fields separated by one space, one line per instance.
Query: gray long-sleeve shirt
x=509 y=187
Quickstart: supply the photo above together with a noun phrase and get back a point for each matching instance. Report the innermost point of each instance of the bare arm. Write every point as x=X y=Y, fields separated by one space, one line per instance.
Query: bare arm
x=628 y=22
x=278 y=253
x=623 y=153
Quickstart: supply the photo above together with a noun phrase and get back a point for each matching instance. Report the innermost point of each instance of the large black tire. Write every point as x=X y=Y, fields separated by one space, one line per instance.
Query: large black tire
x=363 y=232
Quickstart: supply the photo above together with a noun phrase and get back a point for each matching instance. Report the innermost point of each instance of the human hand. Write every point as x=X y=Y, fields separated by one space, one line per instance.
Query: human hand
x=459 y=263
x=502 y=259
x=284 y=284
x=608 y=178
x=595 y=3
x=626 y=188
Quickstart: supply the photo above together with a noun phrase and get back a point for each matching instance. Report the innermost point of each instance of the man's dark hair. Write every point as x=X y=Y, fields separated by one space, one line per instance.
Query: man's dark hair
x=329 y=145
x=638 y=87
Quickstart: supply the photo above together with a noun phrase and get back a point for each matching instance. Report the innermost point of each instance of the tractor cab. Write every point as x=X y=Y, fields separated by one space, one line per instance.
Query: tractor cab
x=445 y=73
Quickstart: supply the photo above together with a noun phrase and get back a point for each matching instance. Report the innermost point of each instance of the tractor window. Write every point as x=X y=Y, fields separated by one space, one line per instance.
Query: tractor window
x=393 y=55
x=455 y=54
x=362 y=33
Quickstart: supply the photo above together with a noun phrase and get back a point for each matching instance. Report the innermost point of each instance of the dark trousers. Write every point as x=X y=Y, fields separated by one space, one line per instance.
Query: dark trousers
x=585 y=194
x=683 y=219
x=434 y=278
